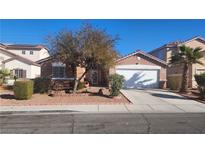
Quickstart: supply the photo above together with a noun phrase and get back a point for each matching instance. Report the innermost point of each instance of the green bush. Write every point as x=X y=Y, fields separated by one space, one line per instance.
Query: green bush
x=200 y=80
x=116 y=83
x=81 y=85
x=41 y=85
x=174 y=82
x=23 y=89
x=4 y=73
x=1 y=82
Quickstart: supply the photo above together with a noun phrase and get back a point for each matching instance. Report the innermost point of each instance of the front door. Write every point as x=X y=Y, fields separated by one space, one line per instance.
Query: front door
x=94 y=77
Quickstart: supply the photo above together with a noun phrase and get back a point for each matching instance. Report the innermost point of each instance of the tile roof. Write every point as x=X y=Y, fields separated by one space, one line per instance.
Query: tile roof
x=144 y=54
x=22 y=46
x=14 y=56
x=175 y=43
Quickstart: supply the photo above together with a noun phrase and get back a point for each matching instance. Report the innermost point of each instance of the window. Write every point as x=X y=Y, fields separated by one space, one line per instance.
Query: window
x=19 y=73
x=58 y=70
x=23 y=52
x=31 y=52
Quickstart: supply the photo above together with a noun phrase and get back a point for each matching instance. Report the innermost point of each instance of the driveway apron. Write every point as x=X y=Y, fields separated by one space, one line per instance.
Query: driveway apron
x=160 y=101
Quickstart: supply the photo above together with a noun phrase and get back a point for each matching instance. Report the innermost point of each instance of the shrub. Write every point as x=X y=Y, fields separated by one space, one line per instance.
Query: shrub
x=81 y=85
x=23 y=89
x=1 y=81
x=41 y=85
x=4 y=73
x=174 y=82
x=116 y=83
x=200 y=80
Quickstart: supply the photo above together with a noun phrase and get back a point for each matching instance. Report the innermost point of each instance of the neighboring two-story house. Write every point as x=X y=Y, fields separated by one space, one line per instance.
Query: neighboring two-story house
x=165 y=52
x=21 y=59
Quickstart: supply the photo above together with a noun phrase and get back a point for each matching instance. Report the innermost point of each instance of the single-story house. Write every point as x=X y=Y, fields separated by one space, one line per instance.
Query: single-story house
x=56 y=70
x=165 y=52
x=140 y=70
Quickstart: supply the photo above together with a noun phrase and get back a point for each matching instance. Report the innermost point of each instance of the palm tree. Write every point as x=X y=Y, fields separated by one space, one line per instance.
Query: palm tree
x=186 y=57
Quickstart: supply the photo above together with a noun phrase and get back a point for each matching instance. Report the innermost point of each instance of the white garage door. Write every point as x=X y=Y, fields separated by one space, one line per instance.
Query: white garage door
x=139 y=78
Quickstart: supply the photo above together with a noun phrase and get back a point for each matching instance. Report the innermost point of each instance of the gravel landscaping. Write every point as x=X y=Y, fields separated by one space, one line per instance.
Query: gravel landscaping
x=90 y=98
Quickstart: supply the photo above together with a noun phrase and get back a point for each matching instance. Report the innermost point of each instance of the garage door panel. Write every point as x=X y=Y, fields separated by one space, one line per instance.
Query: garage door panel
x=139 y=78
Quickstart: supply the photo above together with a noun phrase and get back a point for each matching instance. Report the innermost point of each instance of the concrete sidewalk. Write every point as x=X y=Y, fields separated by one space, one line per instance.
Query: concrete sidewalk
x=144 y=101
x=102 y=109
x=67 y=108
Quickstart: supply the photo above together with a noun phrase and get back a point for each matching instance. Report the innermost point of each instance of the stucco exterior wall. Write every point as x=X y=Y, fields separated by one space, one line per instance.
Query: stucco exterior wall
x=178 y=69
x=43 y=53
x=31 y=70
x=2 y=58
x=196 y=43
x=195 y=67
x=35 y=71
x=37 y=54
x=169 y=52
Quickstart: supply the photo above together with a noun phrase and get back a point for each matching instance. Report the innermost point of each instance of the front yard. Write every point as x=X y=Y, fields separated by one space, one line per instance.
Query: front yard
x=91 y=97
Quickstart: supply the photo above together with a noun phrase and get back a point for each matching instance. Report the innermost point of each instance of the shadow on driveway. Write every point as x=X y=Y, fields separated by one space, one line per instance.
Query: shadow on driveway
x=167 y=96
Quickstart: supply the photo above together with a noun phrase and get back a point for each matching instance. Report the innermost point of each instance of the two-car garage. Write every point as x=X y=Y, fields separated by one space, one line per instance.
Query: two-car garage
x=141 y=70
x=139 y=76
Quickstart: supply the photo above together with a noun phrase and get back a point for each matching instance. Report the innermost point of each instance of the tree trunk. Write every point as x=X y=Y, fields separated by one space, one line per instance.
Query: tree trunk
x=78 y=80
x=75 y=85
x=184 y=84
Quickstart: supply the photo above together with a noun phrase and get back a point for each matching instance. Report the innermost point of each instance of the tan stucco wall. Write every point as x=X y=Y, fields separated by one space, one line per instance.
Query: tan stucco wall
x=177 y=69
x=170 y=52
x=195 y=67
x=196 y=43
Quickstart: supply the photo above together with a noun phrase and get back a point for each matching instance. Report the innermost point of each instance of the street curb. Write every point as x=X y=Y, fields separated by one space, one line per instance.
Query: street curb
x=126 y=98
x=2 y=113
x=43 y=111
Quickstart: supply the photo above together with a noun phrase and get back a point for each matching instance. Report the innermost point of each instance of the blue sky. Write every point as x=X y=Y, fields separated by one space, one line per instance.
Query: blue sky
x=134 y=34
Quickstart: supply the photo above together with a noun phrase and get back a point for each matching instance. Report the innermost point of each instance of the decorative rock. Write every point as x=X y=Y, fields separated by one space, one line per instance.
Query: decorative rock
x=100 y=92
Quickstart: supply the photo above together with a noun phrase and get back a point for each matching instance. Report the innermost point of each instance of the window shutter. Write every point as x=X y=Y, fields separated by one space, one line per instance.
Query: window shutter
x=24 y=73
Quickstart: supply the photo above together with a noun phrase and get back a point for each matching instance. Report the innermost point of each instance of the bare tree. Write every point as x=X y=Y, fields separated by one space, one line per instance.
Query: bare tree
x=88 y=47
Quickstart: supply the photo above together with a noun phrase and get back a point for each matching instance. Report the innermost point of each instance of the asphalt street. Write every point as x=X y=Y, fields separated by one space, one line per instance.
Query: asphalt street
x=109 y=123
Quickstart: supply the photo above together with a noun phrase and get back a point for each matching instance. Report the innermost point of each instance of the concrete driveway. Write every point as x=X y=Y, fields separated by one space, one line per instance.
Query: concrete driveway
x=160 y=101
